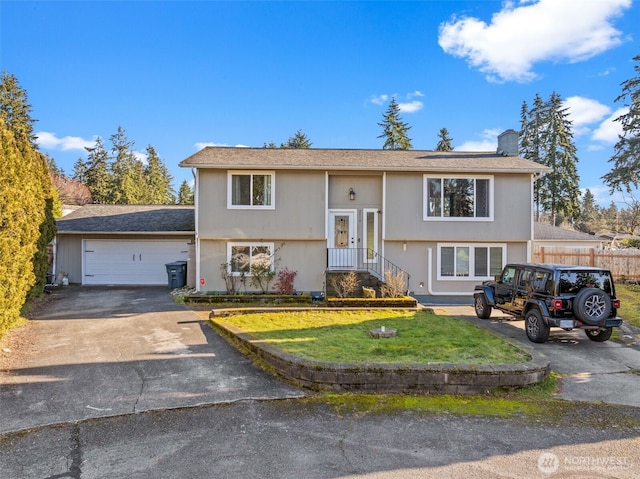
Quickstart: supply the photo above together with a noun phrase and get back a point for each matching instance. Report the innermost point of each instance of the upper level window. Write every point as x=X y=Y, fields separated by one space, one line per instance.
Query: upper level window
x=251 y=189
x=460 y=197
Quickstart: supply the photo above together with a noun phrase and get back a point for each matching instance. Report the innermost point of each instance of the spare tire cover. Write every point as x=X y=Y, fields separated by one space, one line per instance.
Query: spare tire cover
x=592 y=305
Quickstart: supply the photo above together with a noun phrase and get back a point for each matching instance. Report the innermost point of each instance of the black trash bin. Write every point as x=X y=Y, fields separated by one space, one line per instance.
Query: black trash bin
x=176 y=274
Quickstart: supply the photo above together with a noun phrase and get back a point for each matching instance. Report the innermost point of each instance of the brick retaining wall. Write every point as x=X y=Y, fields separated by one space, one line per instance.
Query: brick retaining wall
x=440 y=378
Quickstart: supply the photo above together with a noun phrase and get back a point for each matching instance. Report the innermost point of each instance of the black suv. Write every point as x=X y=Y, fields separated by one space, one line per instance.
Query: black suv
x=553 y=295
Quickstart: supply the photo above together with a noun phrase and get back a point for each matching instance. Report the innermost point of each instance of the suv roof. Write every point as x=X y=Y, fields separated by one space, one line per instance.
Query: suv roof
x=564 y=267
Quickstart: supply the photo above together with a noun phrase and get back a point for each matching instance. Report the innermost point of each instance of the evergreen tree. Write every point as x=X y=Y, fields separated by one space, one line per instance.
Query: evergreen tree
x=563 y=181
x=127 y=180
x=444 y=144
x=158 y=180
x=15 y=108
x=97 y=176
x=394 y=130
x=625 y=174
x=299 y=140
x=30 y=219
x=21 y=213
x=531 y=139
x=79 y=170
x=546 y=138
x=589 y=221
x=185 y=194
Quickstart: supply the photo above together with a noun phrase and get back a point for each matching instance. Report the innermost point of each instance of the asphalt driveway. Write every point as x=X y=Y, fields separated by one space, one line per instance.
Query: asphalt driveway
x=606 y=372
x=102 y=351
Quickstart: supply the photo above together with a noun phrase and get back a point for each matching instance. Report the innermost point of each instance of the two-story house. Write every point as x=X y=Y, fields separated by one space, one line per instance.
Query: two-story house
x=446 y=219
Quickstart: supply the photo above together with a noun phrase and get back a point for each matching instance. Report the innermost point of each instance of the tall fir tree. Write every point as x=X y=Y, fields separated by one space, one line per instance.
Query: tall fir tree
x=27 y=203
x=127 y=172
x=158 y=180
x=394 y=130
x=97 y=176
x=561 y=155
x=625 y=174
x=15 y=108
x=546 y=137
x=185 y=194
x=444 y=143
x=79 y=170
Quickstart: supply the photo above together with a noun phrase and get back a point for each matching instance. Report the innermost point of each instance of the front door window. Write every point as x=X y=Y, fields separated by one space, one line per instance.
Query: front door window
x=342 y=239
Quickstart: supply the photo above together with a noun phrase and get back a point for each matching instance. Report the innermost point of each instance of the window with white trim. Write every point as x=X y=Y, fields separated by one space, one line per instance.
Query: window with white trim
x=458 y=261
x=251 y=190
x=458 y=198
x=242 y=258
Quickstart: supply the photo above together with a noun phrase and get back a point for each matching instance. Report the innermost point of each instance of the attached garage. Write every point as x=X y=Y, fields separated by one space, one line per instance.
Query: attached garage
x=124 y=244
x=130 y=262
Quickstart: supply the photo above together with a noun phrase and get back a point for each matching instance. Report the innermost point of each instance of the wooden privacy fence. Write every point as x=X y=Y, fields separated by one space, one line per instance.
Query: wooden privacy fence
x=623 y=263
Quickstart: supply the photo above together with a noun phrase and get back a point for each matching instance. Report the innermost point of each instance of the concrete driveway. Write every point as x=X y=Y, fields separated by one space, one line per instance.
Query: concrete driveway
x=102 y=351
x=606 y=372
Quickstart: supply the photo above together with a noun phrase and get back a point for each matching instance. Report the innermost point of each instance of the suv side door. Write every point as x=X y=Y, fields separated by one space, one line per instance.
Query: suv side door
x=504 y=287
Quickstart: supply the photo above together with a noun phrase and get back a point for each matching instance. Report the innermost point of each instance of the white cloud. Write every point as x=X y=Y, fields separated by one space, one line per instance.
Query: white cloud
x=489 y=141
x=50 y=141
x=406 y=106
x=379 y=99
x=609 y=129
x=520 y=36
x=411 y=107
x=200 y=145
x=584 y=112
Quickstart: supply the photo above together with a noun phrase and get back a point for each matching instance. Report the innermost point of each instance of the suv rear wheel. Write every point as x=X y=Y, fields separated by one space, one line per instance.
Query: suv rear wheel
x=537 y=330
x=599 y=335
x=592 y=305
x=483 y=310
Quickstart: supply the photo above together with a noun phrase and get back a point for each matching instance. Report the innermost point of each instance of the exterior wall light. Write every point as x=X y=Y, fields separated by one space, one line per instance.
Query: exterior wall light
x=352 y=194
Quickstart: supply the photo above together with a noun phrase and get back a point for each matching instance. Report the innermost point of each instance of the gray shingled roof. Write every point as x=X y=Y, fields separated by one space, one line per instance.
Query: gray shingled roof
x=542 y=231
x=363 y=160
x=129 y=219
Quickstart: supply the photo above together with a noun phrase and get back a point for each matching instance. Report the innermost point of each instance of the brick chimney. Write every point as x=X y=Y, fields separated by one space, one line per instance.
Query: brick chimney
x=508 y=143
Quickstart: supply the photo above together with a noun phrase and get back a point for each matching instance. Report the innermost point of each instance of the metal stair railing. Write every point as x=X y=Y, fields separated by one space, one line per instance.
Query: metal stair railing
x=364 y=259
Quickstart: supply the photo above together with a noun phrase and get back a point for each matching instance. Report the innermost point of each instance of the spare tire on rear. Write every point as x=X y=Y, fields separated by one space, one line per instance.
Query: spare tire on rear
x=592 y=305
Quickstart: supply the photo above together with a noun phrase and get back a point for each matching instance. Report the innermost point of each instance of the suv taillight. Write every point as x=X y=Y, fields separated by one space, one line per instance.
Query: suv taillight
x=615 y=303
x=556 y=304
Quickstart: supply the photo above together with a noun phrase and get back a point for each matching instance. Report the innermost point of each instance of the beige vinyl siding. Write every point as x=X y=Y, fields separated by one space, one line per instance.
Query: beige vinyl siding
x=299 y=208
x=308 y=258
x=414 y=258
x=511 y=206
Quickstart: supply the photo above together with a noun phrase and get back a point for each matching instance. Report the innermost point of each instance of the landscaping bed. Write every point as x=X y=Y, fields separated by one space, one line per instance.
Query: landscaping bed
x=333 y=350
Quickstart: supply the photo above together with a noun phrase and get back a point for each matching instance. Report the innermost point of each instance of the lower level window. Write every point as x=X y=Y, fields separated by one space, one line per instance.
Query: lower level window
x=244 y=258
x=465 y=261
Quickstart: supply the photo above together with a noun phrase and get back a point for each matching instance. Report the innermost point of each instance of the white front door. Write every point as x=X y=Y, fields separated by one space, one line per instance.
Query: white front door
x=342 y=239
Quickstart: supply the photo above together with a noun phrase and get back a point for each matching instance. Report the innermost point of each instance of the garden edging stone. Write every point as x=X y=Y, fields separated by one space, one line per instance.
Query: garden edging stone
x=434 y=378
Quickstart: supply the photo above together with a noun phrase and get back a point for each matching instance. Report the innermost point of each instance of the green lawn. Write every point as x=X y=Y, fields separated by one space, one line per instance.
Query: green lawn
x=629 y=295
x=343 y=336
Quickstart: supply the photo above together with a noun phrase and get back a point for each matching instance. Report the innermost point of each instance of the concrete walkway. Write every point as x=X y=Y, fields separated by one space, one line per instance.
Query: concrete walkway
x=107 y=351
x=606 y=372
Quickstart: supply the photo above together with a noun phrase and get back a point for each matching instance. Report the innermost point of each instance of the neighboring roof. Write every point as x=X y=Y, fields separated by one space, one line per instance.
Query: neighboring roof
x=542 y=231
x=129 y=219
x=364 y=160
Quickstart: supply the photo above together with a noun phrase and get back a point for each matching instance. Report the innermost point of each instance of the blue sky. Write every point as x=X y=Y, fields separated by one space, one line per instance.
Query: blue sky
x=180 y=75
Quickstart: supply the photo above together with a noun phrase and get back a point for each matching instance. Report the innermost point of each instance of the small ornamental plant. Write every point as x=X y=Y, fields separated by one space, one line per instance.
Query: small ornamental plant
x=284 y=282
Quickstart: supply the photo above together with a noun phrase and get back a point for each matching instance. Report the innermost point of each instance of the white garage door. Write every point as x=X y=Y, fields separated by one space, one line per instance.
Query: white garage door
x=131 y=261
